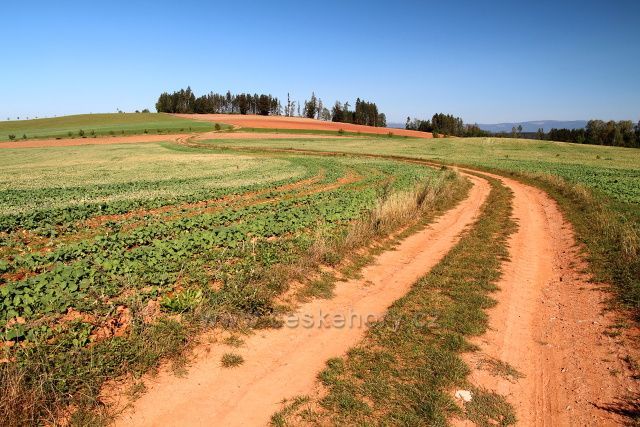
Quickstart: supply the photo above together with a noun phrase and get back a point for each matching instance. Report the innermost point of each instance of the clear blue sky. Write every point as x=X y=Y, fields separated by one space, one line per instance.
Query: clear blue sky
x=485 y=61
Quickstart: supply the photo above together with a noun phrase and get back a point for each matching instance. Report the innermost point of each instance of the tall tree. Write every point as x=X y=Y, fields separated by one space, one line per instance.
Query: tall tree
x=311 y=107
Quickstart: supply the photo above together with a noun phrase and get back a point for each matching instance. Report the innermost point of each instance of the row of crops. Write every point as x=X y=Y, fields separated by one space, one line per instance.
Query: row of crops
x=69 y=272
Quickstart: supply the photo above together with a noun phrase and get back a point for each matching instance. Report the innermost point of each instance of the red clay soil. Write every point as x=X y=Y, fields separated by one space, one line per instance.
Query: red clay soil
x=283 y=363
x=549 y=325
x=281 y=122
x=260 y=135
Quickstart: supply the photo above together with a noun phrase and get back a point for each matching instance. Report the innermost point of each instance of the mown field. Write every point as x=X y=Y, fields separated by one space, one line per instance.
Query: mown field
x=115 y=256
x=99 y=125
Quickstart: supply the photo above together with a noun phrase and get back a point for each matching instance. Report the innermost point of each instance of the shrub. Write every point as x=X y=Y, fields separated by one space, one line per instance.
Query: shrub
x=217 y=126
x=390 y=134
x=81 y=132
x=341 y=131
x=12 y=137
x=24 y=136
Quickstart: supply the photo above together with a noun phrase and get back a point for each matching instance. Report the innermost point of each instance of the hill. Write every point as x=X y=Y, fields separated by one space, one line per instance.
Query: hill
x=533 y=126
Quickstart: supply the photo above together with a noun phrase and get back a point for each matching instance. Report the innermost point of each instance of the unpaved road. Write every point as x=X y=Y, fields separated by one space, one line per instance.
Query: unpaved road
x=549 y=325
x=299 y=123
x=283 y=363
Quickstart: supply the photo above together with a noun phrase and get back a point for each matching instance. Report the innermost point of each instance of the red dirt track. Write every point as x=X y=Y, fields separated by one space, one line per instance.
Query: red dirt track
x=281 y=122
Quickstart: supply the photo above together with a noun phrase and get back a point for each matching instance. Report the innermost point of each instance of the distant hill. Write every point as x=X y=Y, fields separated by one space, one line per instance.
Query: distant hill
x=396 y=125
x=547 y=125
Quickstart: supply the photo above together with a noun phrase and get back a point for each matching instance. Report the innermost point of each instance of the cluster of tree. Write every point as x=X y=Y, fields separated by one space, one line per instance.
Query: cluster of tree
x=445 y=124
x=185 y=101
x=365 y=113
x=598 y=132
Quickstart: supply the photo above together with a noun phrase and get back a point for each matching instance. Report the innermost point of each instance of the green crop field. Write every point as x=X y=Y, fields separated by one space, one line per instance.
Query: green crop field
x=100 y=125
x=112 y=255
x=610 y=170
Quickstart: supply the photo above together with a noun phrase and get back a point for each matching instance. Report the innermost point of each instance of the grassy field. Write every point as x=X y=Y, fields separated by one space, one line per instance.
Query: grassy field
x=100 y=125
x=114 y=263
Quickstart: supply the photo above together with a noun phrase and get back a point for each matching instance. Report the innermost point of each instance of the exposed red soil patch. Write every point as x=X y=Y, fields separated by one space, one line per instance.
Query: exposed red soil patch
x=283 y=363
x=262 y=135
x=281 y=122
x=116 y=326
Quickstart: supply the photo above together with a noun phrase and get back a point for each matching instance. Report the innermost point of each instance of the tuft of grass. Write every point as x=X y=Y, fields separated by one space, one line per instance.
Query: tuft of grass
x=231 y=360
x=499 y=368
x=233 y=341
x=488 y=409
x=279 y=419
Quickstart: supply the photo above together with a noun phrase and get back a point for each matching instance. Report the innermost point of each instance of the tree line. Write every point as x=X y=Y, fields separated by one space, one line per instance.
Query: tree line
x=365 y=113
x=621 y=133
x=445 y=124
x=184 y=101
x=597 y=132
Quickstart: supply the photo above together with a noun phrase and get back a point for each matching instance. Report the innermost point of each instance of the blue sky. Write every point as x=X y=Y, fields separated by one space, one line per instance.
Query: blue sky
x=484 y=61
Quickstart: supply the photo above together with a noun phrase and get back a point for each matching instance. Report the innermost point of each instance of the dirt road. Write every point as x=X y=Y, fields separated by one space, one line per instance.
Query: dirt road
x=549 y=326
x=283 y=363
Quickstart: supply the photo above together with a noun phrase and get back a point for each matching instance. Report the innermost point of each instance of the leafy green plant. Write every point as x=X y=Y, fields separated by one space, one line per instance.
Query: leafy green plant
x=183 y=301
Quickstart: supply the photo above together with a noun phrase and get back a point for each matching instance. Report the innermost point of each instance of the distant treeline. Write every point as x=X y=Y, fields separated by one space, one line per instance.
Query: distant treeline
x=184 y=101
x=365 y=113
x=446 y=125
x=597 y=132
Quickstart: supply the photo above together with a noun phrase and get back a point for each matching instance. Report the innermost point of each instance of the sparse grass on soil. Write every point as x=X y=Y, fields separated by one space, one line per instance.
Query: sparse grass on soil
x=408 y=366
x=231 y=360
x=90 y=125
x=111 y=272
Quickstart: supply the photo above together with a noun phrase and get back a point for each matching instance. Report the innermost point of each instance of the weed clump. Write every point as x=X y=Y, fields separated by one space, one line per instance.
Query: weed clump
x=231 y=360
